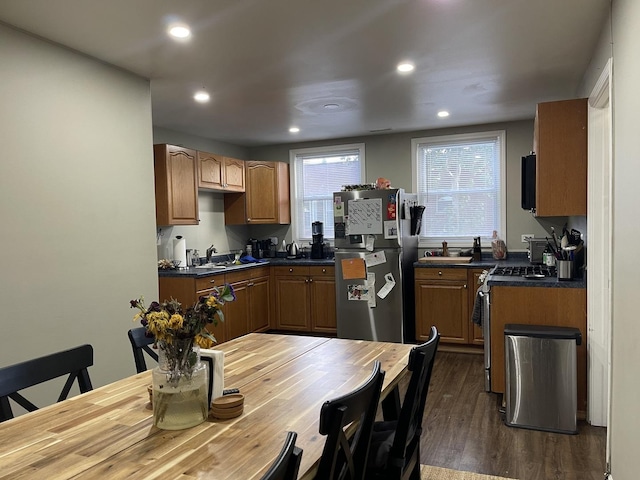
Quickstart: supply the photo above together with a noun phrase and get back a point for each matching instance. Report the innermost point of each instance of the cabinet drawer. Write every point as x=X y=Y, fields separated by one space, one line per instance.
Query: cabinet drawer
x=291 y=270
x=320 y=271
x=257 y=272
x=441 y=273
x=209 y=282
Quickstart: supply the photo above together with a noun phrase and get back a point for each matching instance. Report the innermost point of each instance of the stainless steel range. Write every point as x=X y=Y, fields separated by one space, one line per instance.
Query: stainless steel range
x=525 y=271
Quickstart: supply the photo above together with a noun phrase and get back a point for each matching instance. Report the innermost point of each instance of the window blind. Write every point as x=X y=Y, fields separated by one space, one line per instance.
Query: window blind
x=459 y=181
x=317 y=174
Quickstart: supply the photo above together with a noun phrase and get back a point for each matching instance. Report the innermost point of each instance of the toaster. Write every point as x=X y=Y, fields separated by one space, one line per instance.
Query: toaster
x=536 y=249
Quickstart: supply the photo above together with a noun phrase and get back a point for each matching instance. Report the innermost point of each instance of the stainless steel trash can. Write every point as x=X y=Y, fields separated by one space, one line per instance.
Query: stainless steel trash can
x=541 y=383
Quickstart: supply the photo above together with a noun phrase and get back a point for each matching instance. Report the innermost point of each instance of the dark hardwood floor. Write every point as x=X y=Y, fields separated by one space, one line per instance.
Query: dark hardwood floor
x=463 y=430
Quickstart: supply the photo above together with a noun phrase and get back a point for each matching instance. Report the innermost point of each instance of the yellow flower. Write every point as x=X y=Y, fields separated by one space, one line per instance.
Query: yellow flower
x=204 y=342
x=212 y=302
x=158 y=323
x=175 y=322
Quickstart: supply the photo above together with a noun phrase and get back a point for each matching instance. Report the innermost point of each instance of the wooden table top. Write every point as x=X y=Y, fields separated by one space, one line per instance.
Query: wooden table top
x=109 y=432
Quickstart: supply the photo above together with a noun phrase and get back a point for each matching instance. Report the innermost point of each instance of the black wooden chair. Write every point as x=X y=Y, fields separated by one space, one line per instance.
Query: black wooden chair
x=140 y=344
x=395 y=445
x=345 y=451
x=287 y=464
x=14 y=378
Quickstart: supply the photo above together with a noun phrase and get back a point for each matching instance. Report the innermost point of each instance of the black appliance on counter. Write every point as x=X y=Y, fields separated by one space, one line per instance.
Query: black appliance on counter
x=529 y=182
x=317 y=246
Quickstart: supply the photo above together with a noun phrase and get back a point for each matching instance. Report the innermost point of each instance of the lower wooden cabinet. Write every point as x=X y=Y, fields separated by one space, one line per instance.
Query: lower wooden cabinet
x=297 y=298
x=188 y=290
x=305 y=298
x=565 y=307
x=250 y=311
x=445 y=298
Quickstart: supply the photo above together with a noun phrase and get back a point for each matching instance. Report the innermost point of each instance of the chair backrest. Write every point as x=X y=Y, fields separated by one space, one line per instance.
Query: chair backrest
x=14 y=378
x=287 y=464
x=409 y=426
x=140 y=343
x=342 y=457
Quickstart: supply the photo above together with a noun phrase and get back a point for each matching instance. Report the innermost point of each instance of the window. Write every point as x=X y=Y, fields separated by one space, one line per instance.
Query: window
x=316 y=174
x=460 y=180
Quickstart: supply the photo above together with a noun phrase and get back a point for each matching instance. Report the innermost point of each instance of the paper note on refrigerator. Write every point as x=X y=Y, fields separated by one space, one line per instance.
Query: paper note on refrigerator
x=390 y=229
x=359 y=292
x=389 y=283
x=365 y=216
x=375 y=258
x=353 y=268
x=371 y=284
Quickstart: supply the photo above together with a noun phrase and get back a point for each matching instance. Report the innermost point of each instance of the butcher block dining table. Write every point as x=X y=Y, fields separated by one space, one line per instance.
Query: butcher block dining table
x=285 y=379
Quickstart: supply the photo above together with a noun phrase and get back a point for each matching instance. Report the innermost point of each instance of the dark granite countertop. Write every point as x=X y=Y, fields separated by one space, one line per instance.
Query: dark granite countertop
x=487 y=262
x=514 y=259
x=193 y=272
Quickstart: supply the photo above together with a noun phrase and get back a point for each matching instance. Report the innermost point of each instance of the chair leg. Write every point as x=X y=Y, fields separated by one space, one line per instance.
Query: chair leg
x=415 y=473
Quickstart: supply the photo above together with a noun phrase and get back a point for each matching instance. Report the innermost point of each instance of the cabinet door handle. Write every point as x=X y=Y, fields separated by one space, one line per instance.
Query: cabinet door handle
x=439 y=273
x=310 y=280
x=212 y=281
x=250 y=284
x=324 y=270
x=291 y=270
x=465 y=285
x=306 y=280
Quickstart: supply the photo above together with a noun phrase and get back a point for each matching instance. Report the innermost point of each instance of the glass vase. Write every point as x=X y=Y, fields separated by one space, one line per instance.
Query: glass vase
x=179 y=386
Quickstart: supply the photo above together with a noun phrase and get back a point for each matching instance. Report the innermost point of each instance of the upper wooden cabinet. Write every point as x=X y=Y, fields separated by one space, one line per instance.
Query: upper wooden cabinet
x=216 y=172
x=266 y=197
x=560 y=145
x=176 y=185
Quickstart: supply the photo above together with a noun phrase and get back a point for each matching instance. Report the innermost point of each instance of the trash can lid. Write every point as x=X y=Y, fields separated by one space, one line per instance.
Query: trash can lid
x=544 y=331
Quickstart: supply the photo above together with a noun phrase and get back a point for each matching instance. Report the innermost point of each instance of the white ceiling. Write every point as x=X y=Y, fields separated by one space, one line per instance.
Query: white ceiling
x=272 y=64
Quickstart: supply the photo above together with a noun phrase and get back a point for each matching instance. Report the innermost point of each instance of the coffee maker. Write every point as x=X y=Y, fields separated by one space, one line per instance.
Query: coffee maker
x=317 y=247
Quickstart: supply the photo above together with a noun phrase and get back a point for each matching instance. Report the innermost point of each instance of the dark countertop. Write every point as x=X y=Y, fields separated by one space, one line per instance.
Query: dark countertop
x=513 y=259
x=487 y=262
x=193 y=272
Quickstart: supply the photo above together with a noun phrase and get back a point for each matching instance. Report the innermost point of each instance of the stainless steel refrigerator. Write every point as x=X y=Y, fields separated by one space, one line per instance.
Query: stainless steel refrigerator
x=376 y=245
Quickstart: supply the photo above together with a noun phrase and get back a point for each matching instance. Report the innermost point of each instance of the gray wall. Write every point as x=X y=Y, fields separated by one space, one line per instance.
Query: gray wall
x=389 y=156
x=76 y=205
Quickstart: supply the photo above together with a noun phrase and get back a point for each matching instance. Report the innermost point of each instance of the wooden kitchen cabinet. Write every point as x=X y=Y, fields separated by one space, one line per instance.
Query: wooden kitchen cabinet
x=266 y=196
x=187 y=290
x=250 y=311
x=216 y=172
x=560 y=145
x=305 y=298
x=442 y=299
x=176 y=185
x=565 y=307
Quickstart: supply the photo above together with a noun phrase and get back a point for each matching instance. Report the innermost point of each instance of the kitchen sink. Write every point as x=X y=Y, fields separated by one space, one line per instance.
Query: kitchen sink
x=214 y=266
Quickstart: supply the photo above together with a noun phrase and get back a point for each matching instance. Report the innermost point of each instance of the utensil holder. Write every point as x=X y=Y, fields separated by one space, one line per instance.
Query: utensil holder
x=564 y=269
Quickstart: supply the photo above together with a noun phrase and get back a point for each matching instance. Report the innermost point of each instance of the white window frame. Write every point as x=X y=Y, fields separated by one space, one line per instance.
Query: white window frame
x=326 y=150
x=502 y=227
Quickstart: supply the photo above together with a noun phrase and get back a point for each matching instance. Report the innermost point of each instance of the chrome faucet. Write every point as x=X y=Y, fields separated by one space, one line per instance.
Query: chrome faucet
x=210 y=251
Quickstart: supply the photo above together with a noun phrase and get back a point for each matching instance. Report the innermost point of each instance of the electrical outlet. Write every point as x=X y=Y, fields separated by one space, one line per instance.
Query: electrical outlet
x=525 y=236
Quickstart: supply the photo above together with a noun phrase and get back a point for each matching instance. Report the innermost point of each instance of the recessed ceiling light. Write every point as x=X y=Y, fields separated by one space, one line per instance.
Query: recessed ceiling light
x=331 y=106
x=179 y=31
x=294 y=130
x=405 y=67
x=443 y=114
x=201 y=96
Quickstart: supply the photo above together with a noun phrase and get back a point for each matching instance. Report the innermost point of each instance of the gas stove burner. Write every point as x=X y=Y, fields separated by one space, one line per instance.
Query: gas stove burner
x=528 y=271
